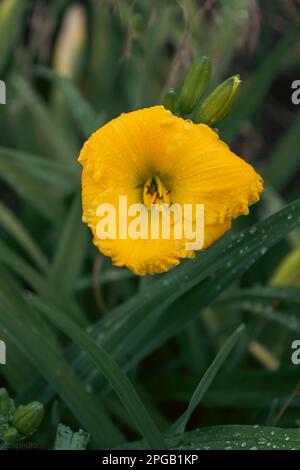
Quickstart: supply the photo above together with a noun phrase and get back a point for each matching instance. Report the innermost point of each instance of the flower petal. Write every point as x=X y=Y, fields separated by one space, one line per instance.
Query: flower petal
x=142 y=256
x=191 y=161
x=129 y=148
x=205 y=171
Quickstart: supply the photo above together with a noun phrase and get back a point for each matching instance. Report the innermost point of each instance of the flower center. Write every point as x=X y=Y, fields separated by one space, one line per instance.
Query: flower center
x=154 y=192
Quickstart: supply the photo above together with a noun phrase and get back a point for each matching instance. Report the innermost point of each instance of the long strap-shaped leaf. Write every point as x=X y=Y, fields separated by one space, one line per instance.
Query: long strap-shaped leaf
x=65 y=268
x=260 y=83
x=231 y=438
x=12 y=225
x=18 y=321
x=205 y=382
x=263 y=294
x=112 y=372
x=53 y=367
x=87 y=119
x=192 y=288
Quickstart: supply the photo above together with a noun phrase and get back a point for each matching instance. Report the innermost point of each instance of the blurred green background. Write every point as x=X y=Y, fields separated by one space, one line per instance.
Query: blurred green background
x=68 y=68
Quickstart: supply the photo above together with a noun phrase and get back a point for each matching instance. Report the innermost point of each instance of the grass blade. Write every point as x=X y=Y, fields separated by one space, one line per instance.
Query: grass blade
x=85 y=116
x=51 y=365
x=11 y=16
x=112 y=373
x=150 y=318
x=233 y=438
x=41 y=192
x=70 y=252
x=12 y=225
x=62 y=148
x=252 y=98
x=287 y=151
x=205 y=382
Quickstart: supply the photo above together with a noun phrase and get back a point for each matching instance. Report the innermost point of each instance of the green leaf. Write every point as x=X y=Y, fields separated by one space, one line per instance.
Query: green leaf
x=275 y=202
x=239 y=389
x=52 y=366
x=111 y=275
x=193 y=285
x=37 y=182
x=288 y=320
x=146 y=321
x=19 y=371
x=85 y=116
x=233 y=438
x=260 y=301
x=252 y=98
x=70 y=251
x=12 y=225
x=15 y=262
x=112 y=373
x=11 y=23
x=62 y=148
x=39 y=283
x=58 y=175
x=233 y=17
x=284 y=159
x=11 y=291
x=266 y=294
x=180 y=424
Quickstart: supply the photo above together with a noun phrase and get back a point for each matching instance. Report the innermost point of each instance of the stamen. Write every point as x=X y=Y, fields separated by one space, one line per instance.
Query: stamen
x=155 y=192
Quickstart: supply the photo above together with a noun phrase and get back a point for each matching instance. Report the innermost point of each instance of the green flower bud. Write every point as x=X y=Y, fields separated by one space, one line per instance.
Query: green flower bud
x=170 y=99
x=27 y=418
x=11 y=436
x=194 y=85
x=7 y=406
x=219 y=102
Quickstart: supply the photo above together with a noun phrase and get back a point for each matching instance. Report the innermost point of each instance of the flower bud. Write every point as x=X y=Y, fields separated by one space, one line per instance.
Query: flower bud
x=10 y=435
x=69 y=48
x=219 y=102
x=194 y=85
x=6 y=404
x=27 y=418
x=170 y=99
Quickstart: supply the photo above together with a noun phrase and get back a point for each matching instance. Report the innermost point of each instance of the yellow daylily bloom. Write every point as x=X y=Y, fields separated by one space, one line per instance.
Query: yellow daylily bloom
x=154 y=157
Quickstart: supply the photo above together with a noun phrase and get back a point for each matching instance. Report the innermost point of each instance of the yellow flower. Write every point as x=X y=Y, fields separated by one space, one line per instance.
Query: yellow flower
x=154 y=157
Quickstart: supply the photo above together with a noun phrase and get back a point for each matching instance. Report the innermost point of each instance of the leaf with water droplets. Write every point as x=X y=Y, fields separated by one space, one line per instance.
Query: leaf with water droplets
x=233 y=438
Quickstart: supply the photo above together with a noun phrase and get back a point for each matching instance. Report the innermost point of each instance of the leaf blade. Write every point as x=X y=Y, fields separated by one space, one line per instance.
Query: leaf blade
x=205 y=382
